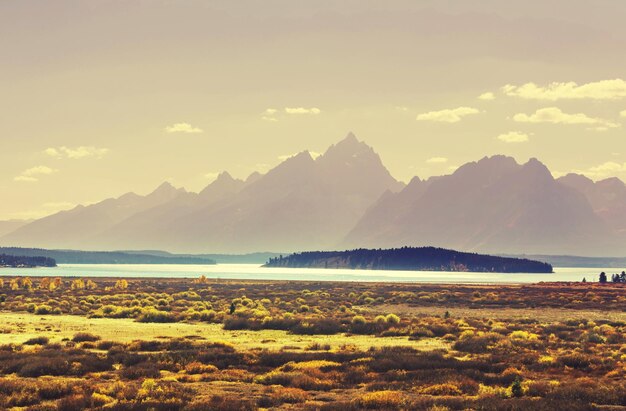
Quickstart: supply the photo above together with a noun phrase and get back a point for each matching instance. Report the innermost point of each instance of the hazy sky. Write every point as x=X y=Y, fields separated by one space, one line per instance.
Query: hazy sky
x=98 y=98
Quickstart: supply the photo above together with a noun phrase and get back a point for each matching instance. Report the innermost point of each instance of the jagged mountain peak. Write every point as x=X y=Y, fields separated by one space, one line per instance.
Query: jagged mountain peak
x=348 y=148
x=537 y=169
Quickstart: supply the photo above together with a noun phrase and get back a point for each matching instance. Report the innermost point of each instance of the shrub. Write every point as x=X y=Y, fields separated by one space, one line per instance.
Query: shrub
x=288 y=395
x=156 y=316
x=197 y=367
x=37 y=341
x=392 y=319
x=43 y=309
x=82 y=336
x=359 y=320
x=441 y=389
x=44 y=366
x=382 y=400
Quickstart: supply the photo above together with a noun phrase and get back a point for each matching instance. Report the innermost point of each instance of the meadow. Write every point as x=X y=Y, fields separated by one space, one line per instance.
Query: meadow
x=205 y=344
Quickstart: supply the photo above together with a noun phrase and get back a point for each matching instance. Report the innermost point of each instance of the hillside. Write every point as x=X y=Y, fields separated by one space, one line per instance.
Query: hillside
x=20 y=261
x=407 y=258
x=105 y=257
x=493 y=206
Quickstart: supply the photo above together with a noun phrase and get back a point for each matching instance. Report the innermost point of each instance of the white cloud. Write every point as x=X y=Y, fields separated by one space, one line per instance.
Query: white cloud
x=437 y=160
x=604 y=170
x=271 y=111
x=270 y=119
x=623 y=113
x=182 y=128
x=599 y=90
x=447 y=115
x=513 y=137
x=302 y=110
x=32 y=174
x=554 y=115
x=487 y=96
x=25 y=179
x=76 y=152
x=211 y=176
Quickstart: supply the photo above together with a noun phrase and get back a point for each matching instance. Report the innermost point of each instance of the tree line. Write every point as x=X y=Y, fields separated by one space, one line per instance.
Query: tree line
x=409 y=258
x=615 y=278
x=7 y=260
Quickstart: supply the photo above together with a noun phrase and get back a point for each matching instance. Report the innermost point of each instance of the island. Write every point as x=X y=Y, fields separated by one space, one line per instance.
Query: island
x=410 y=259
x=14 y=261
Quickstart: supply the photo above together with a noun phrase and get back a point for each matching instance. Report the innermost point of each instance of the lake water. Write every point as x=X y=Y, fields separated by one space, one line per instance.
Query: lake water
x=256 y=272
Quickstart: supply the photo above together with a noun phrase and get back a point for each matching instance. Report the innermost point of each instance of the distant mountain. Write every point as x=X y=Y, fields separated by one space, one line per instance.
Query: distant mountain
x=346 y=198
x=9 y=226
x=494 y=205
x=607 y=197
x=301 y=203
x=76 y=228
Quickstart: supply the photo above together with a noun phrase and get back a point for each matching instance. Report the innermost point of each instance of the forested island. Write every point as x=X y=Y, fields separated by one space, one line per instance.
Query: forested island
x=410 y=258
x=106 y=257
x=15 y=261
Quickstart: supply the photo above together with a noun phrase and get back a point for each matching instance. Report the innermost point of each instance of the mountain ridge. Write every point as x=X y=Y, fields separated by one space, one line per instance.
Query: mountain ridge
x=347 y=198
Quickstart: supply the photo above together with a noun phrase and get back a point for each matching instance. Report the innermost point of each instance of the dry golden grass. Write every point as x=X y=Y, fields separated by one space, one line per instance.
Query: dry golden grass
x=20 y=327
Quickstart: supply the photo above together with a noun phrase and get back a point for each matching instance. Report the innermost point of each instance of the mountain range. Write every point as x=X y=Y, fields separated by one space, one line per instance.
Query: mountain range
x=346 y=198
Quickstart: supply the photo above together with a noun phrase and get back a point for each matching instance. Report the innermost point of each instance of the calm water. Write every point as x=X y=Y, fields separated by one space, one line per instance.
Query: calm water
x=254 y=271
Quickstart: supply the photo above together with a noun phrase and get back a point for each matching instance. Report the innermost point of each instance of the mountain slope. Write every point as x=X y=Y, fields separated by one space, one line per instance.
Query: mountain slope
x=493 y=205
x=9 y=226
x=301 y=203
x=607 y=197
x=75 y=228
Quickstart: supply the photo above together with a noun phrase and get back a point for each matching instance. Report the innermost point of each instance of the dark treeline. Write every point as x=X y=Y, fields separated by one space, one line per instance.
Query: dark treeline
x=410 y=258
x=26 y=261
x=105 y=257
x=615 y=278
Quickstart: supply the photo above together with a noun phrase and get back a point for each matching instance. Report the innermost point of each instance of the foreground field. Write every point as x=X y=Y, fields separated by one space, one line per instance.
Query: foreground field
x=218 y=345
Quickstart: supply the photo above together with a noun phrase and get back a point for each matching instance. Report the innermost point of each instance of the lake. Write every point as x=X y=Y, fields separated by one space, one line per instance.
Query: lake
x=256 y=272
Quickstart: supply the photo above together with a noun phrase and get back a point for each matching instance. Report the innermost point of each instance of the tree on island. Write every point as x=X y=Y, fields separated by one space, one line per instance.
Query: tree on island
x=602 y=278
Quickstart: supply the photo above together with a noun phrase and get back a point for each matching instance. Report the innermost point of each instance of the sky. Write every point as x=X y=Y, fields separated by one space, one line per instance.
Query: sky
x=98 y=98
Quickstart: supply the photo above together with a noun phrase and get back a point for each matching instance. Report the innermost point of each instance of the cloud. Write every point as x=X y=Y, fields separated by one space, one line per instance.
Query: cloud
x=268 y=118
x=437 y=160
x=599 y=90
x=26 y=179
x=302 y=110
x=32 y=174
x=182 y=128
x=604 y=170
x=402 y=108
x=77 y=152
x=447 y=115
x=271 y=111
x=623 y=113
x=487 y=96
x=554 y=115
x=513 y=137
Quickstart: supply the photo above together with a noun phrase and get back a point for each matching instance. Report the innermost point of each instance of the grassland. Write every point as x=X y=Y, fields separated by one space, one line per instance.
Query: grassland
x=178 y=344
